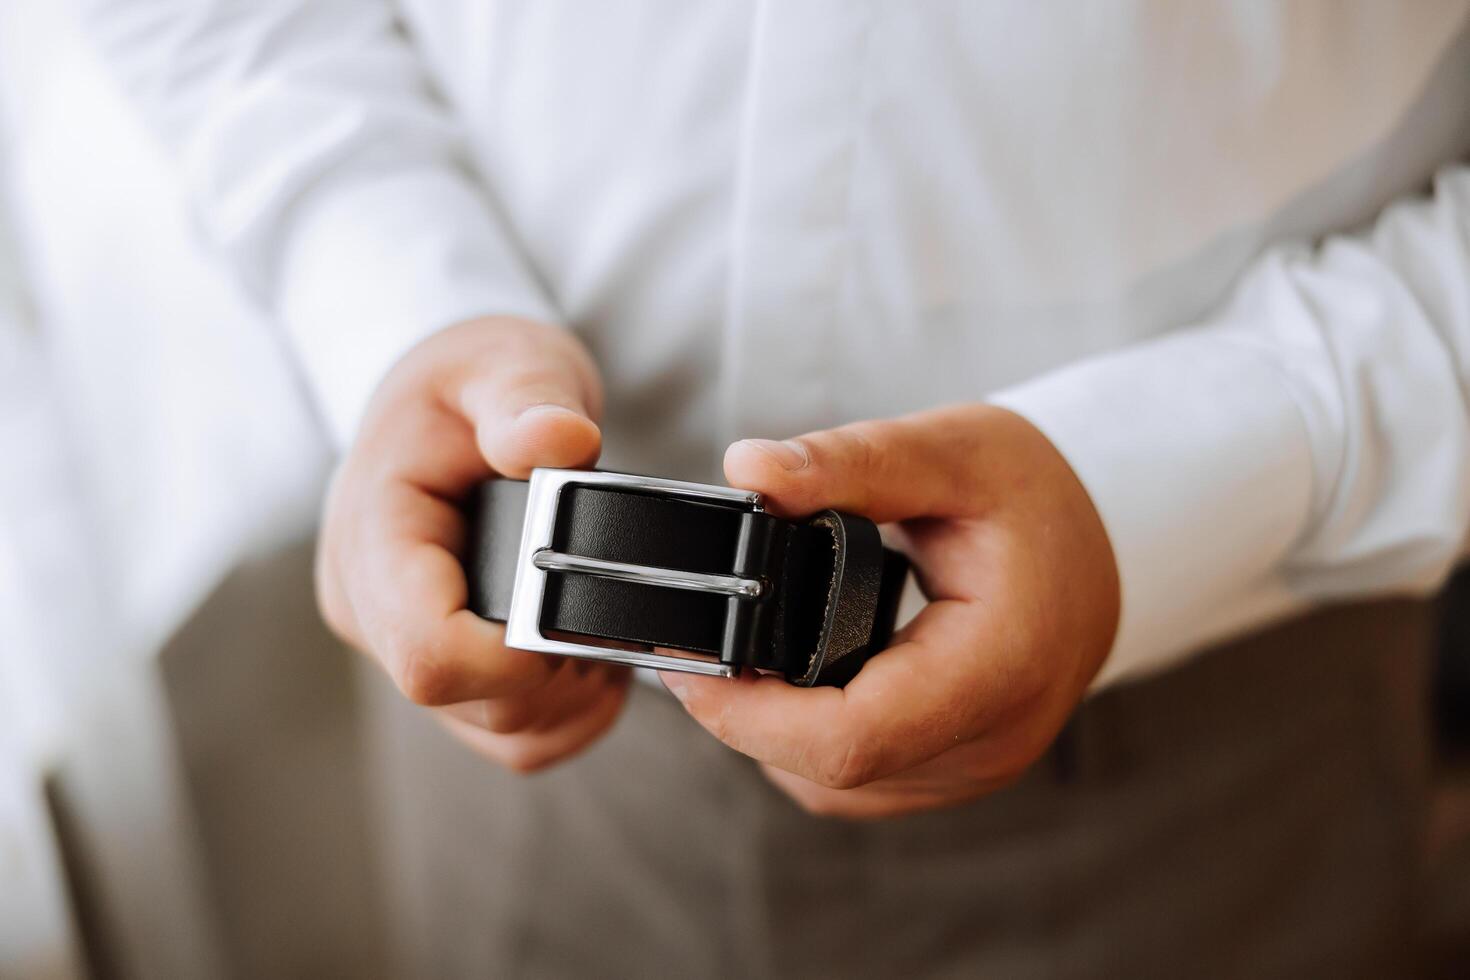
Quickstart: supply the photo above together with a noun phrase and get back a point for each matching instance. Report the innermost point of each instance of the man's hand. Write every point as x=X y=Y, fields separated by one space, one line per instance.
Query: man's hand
x=489 y=397
x=1024 y=602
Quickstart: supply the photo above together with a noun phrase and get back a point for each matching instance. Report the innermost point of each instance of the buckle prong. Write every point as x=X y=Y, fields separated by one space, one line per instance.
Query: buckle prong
x=669 y=578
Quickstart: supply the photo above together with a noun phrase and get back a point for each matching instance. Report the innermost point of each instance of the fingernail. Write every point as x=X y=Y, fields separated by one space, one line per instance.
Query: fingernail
x=546 y=410
x=791 y=455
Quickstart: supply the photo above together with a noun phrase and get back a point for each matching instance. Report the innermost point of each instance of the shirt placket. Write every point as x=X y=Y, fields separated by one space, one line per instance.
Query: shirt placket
x=792 y=229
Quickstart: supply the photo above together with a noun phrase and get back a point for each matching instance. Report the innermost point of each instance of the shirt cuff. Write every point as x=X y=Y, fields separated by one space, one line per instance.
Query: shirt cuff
x=1198 y=462
x=376 y=266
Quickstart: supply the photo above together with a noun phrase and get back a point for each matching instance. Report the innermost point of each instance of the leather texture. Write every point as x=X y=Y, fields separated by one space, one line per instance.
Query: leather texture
x=830 y=602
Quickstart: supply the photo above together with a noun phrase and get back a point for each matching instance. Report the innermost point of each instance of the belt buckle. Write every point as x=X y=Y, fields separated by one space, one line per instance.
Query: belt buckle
x=537 y=557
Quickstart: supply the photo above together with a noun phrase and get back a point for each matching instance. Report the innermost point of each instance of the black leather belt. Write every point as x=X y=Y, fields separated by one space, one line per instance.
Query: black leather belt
x=576 y=556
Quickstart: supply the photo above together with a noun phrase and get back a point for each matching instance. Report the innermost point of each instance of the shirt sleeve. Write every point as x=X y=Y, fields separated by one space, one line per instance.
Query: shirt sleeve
x=1309 y=443
x=318 y=159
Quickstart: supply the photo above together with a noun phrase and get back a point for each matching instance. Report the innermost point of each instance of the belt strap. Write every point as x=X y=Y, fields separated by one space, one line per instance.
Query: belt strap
x=828 y=603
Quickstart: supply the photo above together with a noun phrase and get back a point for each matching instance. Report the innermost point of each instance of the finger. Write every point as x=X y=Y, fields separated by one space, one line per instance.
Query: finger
x=592 y=683
x=422 y=442
x=394 y=537
x=331 y=595
x=421 y=458
x=409 y=595
x=569 y=693
x=881 y=800
x=886 y=470
x=535 y=409
x=527 y=752
x=935 y=688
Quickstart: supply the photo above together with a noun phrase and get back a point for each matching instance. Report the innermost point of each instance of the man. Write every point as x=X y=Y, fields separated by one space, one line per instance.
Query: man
x=1141 y=324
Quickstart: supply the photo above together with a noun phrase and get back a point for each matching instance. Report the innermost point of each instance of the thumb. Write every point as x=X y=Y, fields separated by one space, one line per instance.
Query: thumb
x=533 y=403
x=889 y=470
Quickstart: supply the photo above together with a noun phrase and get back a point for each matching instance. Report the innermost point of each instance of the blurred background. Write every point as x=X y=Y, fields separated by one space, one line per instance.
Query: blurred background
x=182 y=780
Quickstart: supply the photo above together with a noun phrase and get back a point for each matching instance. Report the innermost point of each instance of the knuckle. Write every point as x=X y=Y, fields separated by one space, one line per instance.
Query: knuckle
x=860 y=443
x=507 y=719
x=525 y=759
x=423 y=677
x=856 y=765
x=719 y=722
x=1030 y=680
x=1030 y=703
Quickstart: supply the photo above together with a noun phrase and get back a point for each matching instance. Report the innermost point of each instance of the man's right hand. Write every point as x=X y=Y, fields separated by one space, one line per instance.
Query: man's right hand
x=489 y=397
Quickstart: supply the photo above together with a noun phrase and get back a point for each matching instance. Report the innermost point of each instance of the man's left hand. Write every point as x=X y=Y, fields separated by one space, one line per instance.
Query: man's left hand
x=1023 y=605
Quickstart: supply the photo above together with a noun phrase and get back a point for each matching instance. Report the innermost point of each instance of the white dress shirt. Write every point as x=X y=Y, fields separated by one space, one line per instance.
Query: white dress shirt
x=1218 y=252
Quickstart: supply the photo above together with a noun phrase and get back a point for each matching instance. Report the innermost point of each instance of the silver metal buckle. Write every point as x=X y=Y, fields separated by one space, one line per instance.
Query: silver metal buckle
x=536 y=559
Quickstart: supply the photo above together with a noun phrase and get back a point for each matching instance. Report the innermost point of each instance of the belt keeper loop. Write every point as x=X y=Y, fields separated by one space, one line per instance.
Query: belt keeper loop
x=746 y=619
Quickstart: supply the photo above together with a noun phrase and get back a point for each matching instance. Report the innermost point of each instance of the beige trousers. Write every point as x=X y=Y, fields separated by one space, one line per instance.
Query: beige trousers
x=1255 y=813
